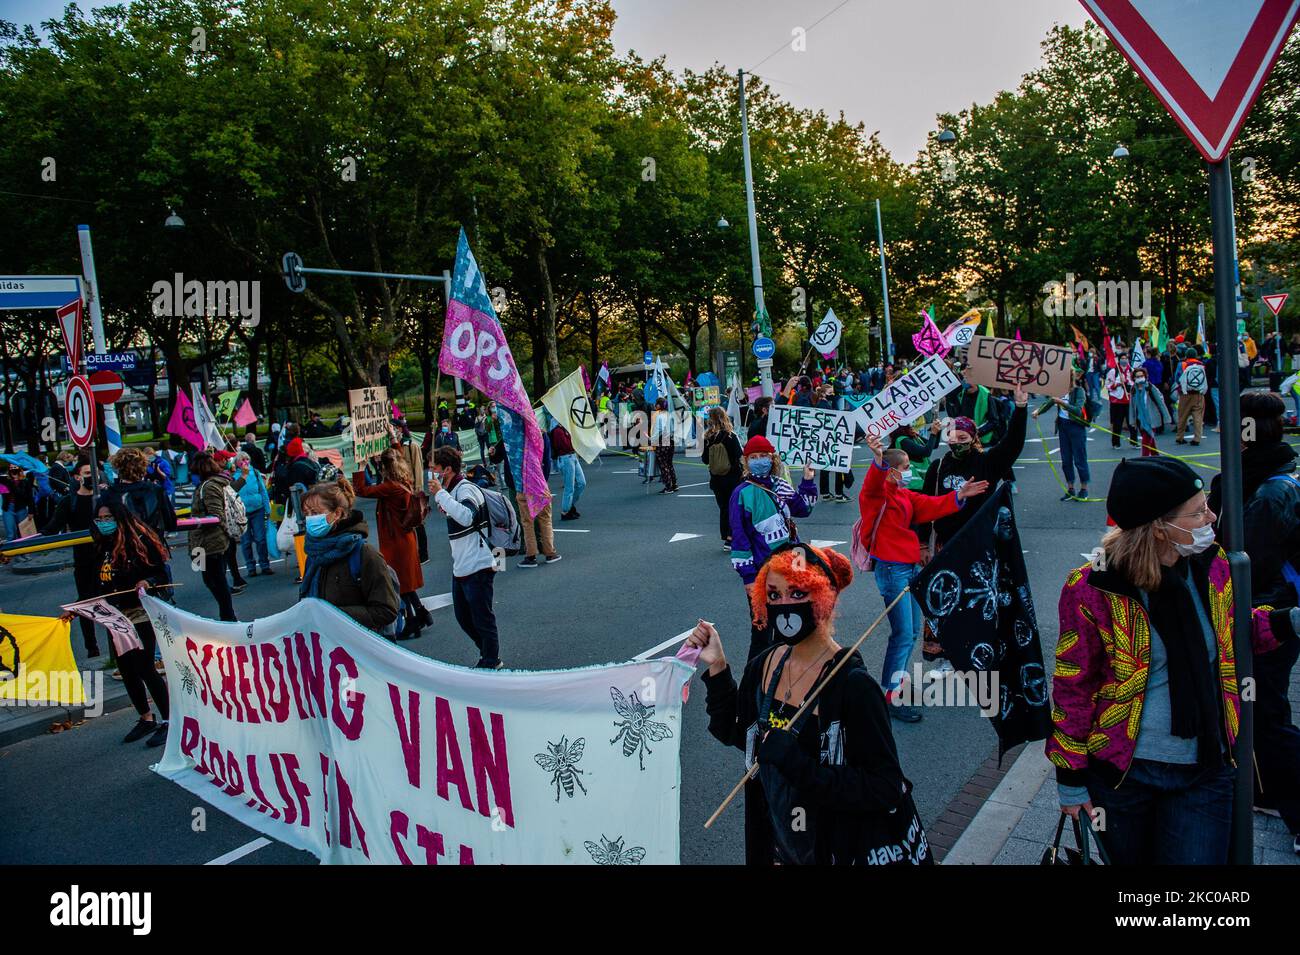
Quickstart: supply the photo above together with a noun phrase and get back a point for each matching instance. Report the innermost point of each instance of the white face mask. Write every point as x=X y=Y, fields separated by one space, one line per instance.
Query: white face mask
x=905 y=477
x=1202 y=539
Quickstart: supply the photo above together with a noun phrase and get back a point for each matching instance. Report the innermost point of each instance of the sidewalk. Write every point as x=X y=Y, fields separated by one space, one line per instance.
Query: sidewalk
x=1019 y=820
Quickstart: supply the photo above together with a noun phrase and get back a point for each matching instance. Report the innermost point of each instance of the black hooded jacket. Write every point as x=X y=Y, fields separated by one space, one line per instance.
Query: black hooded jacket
x=1271 y=520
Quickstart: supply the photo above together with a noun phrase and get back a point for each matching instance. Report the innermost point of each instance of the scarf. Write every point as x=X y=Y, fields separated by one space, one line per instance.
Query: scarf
x=321 y=553
x=1261 y=462
x=1193 y=693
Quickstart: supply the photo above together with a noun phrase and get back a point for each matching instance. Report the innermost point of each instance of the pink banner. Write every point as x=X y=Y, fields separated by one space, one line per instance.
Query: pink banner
x=182 y=422
x=245 y=415
x=474 y=349
x=754 y=393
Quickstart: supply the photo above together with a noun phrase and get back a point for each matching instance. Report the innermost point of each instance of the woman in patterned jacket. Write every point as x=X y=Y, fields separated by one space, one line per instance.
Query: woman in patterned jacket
x=763 y=508
x=1145 y=699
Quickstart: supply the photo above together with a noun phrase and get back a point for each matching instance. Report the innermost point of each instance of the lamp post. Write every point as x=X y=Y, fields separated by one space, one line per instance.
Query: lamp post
x=760 y=309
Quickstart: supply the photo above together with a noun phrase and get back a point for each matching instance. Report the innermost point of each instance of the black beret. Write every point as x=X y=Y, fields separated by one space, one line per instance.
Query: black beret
x=1144 y=489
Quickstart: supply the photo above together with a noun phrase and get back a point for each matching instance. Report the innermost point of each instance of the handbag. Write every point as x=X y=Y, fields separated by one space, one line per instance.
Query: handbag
x=285 y=534
x=1056 y=854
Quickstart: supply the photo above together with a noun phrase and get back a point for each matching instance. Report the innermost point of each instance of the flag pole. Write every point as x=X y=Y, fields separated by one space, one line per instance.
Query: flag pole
x=808 y=701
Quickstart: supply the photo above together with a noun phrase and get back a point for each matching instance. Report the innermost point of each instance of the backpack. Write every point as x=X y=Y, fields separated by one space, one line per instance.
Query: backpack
x=142 y=501
x=280 y=480
x=417 y=509
x=719 y=461
x=234 y=521
x=354 y=566
x=497 y=523
x=1193 y=379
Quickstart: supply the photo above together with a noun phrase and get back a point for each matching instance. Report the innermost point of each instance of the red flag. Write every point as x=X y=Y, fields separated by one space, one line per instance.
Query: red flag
x=1110 y=355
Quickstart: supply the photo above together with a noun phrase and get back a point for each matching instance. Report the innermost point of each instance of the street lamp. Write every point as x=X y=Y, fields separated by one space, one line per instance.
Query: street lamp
x=723 y=223
x=174 y=223
x=1119 y=153
x=947 y=136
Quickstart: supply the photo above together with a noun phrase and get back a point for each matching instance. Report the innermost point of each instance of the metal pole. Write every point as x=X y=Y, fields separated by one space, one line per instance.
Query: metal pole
x=765 y=367
x=887 y=346
x=1230 y=510
x=112 y=430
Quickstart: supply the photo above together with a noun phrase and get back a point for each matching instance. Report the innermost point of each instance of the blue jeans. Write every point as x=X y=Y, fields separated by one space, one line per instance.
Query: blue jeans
x=13 y=517
x=255 y=536
x=904 y=620
x=575 y=482
x=1166 y=814
x=1074 y=451
x=1214 y=396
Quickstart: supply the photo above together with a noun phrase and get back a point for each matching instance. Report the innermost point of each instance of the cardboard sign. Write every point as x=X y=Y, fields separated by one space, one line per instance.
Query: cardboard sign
x=1005 y=363
x=812 y=437
x=905 y=399
x=707 y=396
x=368 y=408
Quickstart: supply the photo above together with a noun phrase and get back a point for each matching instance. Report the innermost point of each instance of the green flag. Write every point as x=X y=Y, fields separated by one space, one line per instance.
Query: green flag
x=1164 y=330
x=226 y=403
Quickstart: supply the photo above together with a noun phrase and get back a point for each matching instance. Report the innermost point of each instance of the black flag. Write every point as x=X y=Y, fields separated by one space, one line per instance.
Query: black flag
x=975 y=592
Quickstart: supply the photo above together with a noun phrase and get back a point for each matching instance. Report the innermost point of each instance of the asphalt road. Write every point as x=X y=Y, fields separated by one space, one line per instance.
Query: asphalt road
x=624 y=585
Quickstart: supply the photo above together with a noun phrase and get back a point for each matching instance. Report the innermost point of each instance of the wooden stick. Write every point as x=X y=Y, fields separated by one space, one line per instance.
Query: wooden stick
x=807 y=703
x=118 y=593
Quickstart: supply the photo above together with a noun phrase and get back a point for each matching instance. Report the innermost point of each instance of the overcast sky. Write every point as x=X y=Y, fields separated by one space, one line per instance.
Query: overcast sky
x=891 y=64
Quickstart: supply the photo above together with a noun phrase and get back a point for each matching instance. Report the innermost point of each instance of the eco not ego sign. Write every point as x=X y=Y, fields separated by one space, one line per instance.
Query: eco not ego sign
x=463 y=343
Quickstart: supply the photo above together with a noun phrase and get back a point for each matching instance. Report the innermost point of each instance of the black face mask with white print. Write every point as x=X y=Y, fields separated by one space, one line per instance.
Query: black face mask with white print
x=790 y=623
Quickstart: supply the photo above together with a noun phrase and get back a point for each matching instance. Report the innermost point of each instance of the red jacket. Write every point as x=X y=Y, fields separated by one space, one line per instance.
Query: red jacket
x=895 y=539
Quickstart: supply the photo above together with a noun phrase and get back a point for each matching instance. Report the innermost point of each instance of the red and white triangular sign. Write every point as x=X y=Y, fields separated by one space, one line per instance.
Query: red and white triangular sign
x=1275 y=302
x=1206 y=60
x=69 y=317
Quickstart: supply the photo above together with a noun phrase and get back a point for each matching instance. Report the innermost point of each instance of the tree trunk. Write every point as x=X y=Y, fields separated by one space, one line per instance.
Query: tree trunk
x=711 y=312
x=548 y=318
x=593 y=333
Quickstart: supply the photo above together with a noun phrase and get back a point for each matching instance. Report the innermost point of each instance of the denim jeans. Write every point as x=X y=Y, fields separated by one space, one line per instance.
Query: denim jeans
x=1214 y=397
x=471 y=599
x=1074 y=451
x=904 y=620
x=575 y=482
x=13 y=517
x=255 y=536
x=1166 y=814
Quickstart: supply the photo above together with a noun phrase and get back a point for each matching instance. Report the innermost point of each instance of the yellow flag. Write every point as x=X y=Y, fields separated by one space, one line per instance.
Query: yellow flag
x=569 y=404
x=36 y=657
x=988 y=329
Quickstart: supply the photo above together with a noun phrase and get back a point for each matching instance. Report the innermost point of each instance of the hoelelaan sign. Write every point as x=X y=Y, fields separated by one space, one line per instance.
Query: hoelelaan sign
x=311 y=729
x=368 y=409
x=812 y=437
x=1006 y=363
x=907 y=398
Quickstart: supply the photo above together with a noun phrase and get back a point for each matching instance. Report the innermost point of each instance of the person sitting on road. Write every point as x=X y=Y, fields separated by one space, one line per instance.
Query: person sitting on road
x=838 y=763
x=342 y=569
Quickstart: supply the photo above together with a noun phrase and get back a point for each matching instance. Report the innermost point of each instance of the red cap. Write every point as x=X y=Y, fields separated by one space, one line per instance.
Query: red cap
x=221 y=457
x=294 y=448
x=758 y=445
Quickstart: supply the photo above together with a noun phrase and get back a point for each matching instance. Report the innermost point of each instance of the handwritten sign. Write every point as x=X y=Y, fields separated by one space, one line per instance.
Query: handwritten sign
x=907 y=398
x=1005 y=363
x=812 y=437
x=368 y=408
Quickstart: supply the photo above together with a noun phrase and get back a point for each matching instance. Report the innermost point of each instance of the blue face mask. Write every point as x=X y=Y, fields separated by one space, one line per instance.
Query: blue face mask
x=760 y=467
x=317 y=525
x=107 y=527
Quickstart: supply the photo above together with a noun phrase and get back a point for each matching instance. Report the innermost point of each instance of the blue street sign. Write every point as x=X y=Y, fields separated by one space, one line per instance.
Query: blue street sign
x=649 y=359
x=764 y=348
x=38 y=291
x=112 y=361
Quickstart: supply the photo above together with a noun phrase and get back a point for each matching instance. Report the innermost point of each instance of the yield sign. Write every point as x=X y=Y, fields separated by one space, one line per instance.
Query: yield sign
x=1275 y=302
x=1205 y=60
x=69 y=317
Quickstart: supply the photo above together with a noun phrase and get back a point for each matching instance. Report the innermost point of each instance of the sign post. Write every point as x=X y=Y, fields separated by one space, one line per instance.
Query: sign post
x=112 y=430
x=1207 y=63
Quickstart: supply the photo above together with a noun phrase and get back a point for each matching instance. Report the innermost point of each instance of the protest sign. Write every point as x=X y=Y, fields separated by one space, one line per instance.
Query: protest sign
x=368 y=409
x=812 y=437
x=1005 y=363
x=907 y=398
x=311 y=729
x=119 y=627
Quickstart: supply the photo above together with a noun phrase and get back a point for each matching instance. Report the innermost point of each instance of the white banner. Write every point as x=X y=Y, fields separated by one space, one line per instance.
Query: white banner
x=311 y=729
x=813 y=437
x=907 y=398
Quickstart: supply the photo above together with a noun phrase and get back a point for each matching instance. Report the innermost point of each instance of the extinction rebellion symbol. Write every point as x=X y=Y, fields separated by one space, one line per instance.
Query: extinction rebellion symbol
x=580 y=413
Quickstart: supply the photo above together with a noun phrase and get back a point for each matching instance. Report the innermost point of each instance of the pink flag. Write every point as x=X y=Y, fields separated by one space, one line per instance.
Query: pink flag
x=113 y=620
x=929 y=340
x=182 y=422
x=245 y=415
x=474 y=349
x=1017 y=334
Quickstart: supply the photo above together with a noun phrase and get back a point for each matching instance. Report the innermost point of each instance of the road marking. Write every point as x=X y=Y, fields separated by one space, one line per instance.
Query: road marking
x=695 y=495
x=670 y=642
x=827 y=543
x=701 y=484
x=569 y=530
x=434 y=601
x=624 y=472
x=236 y=854
x=683 y=537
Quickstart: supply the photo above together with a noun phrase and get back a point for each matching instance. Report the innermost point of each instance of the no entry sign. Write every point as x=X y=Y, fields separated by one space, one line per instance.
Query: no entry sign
x=106 y=387
x=79 y=411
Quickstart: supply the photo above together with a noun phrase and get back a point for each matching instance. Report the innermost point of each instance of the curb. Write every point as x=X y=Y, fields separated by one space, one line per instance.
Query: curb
x=1006 y=805
x=37 y=719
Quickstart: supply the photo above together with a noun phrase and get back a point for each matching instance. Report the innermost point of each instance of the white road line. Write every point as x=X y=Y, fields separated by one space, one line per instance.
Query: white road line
x=235 y=855
x=701 y=484
x=434 y=601
x=624 y=472
x=695 y=495
x=670 y=642
x=569 y=530
x=683 y=537
x=827 y=543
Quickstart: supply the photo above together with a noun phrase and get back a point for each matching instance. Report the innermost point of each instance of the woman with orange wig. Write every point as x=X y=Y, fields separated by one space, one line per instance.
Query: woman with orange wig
x=829 y=789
